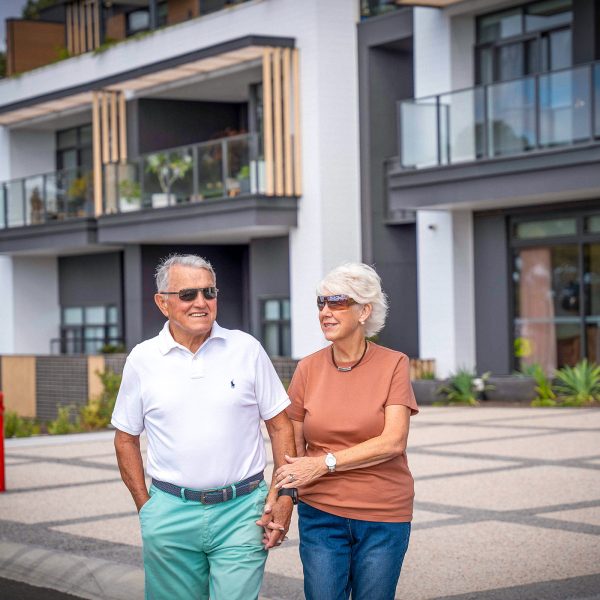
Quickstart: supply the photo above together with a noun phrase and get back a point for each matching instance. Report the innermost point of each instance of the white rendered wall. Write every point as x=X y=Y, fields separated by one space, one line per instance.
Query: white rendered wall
x=432 y=51
x=7 y=317
x=31 y=152
x=4 y=153
x=36 y=309
x=446 y=289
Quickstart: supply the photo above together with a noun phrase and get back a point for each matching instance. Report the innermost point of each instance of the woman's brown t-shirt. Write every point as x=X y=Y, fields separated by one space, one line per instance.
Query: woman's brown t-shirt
x=342 y=409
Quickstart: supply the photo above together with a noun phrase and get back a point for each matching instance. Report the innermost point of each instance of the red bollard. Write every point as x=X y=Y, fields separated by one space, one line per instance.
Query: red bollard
x=2 y=478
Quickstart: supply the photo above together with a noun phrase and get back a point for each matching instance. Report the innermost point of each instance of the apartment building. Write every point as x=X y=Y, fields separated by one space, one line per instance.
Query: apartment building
x=130 y=129
x=480 y=178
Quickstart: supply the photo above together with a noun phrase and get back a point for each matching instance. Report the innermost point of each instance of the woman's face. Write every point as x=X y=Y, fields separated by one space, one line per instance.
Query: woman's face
x=338 y=325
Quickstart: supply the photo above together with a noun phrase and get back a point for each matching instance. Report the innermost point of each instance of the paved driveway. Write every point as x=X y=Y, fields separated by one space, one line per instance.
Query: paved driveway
x=507 y=507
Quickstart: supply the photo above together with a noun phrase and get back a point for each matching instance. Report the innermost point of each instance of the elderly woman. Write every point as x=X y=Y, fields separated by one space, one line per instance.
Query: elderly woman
x=351 y=406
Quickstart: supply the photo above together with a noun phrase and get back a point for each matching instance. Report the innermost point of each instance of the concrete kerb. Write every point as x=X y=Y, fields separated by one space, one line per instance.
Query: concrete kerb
x=86 y=577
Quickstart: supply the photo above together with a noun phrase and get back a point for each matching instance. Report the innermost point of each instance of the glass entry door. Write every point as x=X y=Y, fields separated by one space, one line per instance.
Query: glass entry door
x=556 y=289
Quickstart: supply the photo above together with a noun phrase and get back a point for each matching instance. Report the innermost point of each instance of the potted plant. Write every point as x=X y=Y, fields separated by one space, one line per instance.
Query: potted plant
x=168 y=167
x=130 y=195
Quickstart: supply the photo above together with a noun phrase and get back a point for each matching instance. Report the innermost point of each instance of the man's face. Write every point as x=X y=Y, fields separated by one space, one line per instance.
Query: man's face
x=193 y=319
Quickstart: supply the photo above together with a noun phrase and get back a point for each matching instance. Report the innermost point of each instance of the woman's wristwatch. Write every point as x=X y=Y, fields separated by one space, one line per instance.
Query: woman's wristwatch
x=291 y=492
x=330 y=461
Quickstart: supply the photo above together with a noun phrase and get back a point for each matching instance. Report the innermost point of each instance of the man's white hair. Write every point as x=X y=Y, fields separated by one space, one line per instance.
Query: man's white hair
x=161 y=275
x=360 y=282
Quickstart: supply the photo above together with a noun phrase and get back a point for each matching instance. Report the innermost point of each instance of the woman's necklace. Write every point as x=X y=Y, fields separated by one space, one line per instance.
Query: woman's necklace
x=352 y=366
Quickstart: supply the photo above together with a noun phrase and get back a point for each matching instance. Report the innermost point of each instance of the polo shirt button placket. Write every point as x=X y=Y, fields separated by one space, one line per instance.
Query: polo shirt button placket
x=197 y=367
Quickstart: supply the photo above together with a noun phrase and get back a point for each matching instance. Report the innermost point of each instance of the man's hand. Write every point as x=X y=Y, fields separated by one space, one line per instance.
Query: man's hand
x=275 y=521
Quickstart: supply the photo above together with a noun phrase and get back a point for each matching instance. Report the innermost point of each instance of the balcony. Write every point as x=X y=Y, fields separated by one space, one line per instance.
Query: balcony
x=530 y=140
x=211 y=171
x=533 y=114
x=50 y=197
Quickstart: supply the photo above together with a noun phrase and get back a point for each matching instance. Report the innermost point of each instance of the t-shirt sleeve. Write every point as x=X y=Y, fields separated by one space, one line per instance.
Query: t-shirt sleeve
x=296 y=393
x=270 y=393
x=128 y=414
x=401 y=391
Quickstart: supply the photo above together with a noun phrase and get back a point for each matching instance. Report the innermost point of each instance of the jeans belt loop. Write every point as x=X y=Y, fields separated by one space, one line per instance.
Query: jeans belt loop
x=183 y=497
x=234 y=491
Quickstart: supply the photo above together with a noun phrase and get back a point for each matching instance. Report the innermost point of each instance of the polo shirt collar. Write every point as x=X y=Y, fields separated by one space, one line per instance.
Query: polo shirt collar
x=166 y=343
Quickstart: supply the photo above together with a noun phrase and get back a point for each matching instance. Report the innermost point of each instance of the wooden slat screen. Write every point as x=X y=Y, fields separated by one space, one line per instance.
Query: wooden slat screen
x=281 y=122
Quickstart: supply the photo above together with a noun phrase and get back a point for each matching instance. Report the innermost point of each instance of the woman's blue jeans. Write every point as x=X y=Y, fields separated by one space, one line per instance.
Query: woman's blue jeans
x=340 y=556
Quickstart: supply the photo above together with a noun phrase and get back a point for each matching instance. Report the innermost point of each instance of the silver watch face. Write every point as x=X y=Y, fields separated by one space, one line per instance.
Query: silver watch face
x=330 y=460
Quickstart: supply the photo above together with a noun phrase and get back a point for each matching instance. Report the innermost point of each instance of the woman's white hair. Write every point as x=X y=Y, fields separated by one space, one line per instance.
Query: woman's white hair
x=161 y=276
x=360 y=282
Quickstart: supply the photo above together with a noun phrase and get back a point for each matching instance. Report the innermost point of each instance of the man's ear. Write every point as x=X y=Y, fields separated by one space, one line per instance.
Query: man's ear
x=161 y=302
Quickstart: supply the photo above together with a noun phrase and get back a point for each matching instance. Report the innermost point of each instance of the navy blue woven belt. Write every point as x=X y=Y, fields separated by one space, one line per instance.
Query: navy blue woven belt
x=214 y=496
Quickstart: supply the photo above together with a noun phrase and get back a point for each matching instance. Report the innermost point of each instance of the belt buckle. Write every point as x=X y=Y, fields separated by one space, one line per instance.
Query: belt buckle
x=203 y=497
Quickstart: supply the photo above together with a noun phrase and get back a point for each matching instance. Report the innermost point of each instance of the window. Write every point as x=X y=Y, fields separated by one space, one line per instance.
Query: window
x=74 y=148
x=556 y=290
x=86 y=329
x=276 y=332
x=533 y=38
x=138 y=20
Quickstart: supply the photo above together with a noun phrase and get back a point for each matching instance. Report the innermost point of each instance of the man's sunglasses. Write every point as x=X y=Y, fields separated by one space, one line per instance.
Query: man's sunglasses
x=189 y=294
x=336 y=302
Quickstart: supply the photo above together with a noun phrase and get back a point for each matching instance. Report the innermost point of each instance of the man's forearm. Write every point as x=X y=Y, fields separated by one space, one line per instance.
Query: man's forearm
x=131 y=466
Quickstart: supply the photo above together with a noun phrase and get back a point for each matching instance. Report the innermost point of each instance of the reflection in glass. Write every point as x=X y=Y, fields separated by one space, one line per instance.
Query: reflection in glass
x=511 y=113
x=510 y=62
x=527 y=230
x=597 y=99
x=271 y=310
x=564 y=107
x=560 y=49
x=547 y=306
x=210 y=170
x=500 y=25
x=462 y=125
x=547 y=15
x=73 y=316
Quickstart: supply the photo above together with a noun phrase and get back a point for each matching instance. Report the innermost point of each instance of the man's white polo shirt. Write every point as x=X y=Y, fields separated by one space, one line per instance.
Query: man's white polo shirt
x=201 y=411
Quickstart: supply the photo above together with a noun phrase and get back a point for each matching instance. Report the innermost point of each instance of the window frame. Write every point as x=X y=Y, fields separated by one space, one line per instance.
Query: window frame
x=281 y=322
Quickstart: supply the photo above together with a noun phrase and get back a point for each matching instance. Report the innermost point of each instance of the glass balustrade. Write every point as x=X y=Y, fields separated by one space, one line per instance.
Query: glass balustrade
x=215 y=170
x=53 y=196
x=540 y=112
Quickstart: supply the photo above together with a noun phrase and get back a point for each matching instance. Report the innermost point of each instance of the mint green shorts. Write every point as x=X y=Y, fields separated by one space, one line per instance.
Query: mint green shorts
x=202 y=551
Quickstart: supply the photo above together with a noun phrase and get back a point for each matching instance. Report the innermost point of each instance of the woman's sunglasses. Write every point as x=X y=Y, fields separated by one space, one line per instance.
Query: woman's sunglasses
x=336 y=302
x=189 y=294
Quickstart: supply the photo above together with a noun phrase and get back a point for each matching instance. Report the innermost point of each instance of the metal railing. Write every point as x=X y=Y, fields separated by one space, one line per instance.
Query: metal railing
x=38 y=199
x=215 y=170
x=539 y=112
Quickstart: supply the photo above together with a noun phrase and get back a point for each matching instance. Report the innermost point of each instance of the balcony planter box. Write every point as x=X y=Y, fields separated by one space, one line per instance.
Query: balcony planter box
x=511 y=389
x=424 y=390
x=130 y=204
x=508 y=389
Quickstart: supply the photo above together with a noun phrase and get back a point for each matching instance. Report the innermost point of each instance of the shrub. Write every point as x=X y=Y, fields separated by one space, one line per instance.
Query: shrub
x=543 y=385
x=62 y=424
x=463 y=388
x=15 y=426
x=97 y=414
x=578 y=385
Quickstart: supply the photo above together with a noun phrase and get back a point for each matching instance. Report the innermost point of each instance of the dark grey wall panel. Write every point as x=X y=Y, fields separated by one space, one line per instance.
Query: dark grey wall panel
x=269 y=274
x=170 y=123
x=90 y=279
x=385 y=76
x=133 y=296
x=60 y=381
x=586 y=31
x=492 y=300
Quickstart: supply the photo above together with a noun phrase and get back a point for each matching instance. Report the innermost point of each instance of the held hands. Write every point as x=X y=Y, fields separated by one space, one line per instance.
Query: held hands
x=275 y=521
x=300 y=471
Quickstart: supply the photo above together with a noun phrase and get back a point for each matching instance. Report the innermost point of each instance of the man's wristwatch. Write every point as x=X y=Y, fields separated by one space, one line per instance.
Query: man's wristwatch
x=291 y=492
x=330 y=461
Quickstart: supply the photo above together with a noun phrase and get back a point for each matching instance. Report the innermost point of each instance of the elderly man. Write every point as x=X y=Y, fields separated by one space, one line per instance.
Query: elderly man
x=200 y=391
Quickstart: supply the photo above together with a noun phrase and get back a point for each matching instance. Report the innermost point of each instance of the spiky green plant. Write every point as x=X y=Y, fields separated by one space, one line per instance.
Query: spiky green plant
x=578 y=385
x=543 y=387
x=461 y=388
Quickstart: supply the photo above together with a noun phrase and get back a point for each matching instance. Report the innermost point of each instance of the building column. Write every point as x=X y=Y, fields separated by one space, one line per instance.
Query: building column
x=446 y=289
x=133 y=309
x=7 y=306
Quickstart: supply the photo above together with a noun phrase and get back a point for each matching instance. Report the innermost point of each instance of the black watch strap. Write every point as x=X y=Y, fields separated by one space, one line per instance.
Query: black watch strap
x=291 y=492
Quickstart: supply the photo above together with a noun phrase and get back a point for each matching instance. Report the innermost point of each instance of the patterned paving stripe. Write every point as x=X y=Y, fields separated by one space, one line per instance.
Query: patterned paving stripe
x=586 y=587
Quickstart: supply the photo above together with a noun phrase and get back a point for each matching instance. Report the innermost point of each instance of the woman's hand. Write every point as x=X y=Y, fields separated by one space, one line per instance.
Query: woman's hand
x=300 y=471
